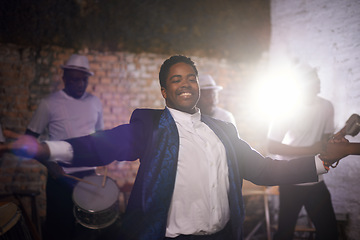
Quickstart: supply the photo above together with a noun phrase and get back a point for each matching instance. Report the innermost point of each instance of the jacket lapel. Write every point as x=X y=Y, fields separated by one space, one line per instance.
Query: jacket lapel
x=237 y=210
x=159 y=180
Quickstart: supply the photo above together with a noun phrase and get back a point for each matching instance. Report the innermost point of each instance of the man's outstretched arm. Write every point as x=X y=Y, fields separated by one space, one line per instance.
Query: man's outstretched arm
x=29 y=147
x=338 y=150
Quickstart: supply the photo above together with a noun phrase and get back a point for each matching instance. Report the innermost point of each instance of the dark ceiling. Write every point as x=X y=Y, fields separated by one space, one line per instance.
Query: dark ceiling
x=234 y=29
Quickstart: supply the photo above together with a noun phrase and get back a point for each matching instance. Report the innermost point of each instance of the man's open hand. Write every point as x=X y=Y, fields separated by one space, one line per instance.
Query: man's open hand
x=334 y=152
x=29 y=147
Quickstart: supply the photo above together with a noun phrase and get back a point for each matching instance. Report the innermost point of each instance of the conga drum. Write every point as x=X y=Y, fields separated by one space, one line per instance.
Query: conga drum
x=96 y=206
x=12 y=224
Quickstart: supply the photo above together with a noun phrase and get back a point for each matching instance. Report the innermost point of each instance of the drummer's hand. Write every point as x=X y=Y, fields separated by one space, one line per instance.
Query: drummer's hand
x=28 y=146
x=54 y=170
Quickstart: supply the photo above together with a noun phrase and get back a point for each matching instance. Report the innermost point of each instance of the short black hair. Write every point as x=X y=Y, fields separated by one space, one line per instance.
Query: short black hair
x=168 y=63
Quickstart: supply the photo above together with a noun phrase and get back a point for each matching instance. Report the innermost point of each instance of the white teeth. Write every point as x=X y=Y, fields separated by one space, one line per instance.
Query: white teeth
x=185 y=94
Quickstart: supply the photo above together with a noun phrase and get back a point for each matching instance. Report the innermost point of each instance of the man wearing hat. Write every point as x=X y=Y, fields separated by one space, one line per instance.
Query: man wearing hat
x=209 y=99
x=69 y=113
x=304 y=133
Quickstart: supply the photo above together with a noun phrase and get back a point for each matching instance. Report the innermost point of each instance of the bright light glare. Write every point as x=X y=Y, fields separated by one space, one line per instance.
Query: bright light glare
x=276 y=94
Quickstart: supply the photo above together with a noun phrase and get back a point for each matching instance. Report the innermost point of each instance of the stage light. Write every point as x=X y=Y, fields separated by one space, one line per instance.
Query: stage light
x=276 y=93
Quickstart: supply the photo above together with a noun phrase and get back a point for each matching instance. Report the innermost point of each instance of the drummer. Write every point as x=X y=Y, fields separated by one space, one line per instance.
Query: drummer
x=2 y=138
x=71 y=112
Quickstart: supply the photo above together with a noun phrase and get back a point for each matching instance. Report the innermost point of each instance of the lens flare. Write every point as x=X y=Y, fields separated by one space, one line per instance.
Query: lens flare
x=276 y=93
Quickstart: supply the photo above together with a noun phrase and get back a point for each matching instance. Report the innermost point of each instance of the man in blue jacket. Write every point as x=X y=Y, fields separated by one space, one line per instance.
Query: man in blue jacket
x=189 y=181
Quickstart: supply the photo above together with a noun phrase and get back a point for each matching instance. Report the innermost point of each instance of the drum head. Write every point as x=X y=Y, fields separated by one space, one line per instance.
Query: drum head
x=95 y=198
x=9 y=216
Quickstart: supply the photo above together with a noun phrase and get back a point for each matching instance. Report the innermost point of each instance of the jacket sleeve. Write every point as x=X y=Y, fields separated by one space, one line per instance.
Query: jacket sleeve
x=253 y=166
x=122 y=143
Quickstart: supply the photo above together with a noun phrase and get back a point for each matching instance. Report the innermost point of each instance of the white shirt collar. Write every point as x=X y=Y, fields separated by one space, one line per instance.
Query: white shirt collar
x=183 y=117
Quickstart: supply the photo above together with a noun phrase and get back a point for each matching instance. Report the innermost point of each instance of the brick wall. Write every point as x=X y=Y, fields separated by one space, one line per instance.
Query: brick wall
x=123 y=81
x=326 y=34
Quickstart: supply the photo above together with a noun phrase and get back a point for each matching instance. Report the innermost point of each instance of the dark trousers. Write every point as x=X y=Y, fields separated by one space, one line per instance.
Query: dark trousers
x=60 y=221
x=224 y=234
x=317 y=202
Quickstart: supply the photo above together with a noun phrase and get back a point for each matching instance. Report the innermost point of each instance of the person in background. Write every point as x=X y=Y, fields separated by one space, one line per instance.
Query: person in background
x=209 y=98
x=68 y=113
x=301 y=134
x=5 y=135
x=2 y=138
x=189 y=182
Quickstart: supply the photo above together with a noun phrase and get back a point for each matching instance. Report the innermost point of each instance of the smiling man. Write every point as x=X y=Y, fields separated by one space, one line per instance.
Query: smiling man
x=191 y=169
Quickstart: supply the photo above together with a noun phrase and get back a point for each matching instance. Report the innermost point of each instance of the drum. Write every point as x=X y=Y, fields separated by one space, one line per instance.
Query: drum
x=96 y=205
x=12 y=224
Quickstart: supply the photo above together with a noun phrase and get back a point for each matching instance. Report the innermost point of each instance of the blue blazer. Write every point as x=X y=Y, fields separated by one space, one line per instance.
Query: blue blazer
x=152 y=137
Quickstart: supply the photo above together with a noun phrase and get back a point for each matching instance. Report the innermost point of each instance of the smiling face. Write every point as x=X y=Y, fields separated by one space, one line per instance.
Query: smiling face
x=182 y=88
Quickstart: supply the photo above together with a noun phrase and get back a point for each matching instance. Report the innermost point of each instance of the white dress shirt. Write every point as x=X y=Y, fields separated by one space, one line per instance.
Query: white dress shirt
x=200 y=200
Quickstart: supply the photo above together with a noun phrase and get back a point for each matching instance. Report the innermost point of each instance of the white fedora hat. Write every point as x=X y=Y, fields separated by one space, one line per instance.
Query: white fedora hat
x=78 y=62
x=207 y=82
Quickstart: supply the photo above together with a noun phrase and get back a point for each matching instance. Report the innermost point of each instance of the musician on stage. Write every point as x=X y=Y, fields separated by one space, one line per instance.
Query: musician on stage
x=189 y=181
x=2 y=138
x=304 y=133
x=209 y=99
x=68 y=113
